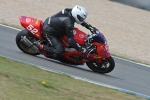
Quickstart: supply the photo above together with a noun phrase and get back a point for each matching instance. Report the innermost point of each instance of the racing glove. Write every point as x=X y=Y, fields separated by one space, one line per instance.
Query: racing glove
x=82 y=49
x=93 y=29
x=90 y=27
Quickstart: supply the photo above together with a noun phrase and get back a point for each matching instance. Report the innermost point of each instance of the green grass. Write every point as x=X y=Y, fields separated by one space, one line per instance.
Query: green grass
x=19 y=81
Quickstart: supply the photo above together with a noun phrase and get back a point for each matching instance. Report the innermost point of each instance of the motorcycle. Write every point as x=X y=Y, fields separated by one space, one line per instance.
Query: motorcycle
x=97 y=57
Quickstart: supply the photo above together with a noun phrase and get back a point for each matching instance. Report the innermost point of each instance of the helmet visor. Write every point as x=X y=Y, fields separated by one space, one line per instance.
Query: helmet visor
x=80 y=18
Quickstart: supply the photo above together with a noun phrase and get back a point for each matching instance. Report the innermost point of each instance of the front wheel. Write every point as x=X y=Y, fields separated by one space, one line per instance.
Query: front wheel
x=106 y=65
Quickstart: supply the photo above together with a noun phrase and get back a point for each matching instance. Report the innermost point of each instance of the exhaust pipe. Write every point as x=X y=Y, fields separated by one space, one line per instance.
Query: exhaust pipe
x=29 y=44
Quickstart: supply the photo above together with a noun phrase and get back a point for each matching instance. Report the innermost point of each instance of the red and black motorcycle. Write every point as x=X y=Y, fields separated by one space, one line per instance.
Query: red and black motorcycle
x=97 y=57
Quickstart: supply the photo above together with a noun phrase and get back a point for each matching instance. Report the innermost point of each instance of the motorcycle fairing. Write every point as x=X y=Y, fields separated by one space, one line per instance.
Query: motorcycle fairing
x=79 y=37
x=101 y=45
x=33 y=25
x=102 y=50
x=83 y=57
x=98 y=41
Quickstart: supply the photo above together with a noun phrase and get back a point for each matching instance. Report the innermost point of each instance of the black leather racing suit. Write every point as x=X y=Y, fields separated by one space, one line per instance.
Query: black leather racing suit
x=55 y=27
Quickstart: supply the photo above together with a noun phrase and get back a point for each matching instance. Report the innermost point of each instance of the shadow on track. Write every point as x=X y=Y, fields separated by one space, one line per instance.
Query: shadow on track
x=78 y=67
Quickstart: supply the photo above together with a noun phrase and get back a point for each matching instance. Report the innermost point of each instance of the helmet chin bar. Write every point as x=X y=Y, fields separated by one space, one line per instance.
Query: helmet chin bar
x=80 y=18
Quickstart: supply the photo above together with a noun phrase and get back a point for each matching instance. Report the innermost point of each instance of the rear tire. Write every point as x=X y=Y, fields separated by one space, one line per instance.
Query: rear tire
x=106 y=66
x=21 y=45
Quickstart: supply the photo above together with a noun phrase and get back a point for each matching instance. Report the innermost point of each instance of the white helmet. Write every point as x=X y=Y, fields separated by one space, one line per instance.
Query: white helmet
x=79 y=13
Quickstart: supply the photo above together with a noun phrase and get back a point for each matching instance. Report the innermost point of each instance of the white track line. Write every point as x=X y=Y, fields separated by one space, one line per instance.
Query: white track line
x=80 y=78
x=10 y=27
x=132 y=61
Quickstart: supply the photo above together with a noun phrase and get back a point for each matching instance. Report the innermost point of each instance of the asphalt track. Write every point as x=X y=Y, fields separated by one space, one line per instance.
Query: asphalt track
x=126 y=75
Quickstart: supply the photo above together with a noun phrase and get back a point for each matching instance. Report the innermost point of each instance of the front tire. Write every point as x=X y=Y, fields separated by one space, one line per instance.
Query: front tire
x=22 y=46
x=106 y=66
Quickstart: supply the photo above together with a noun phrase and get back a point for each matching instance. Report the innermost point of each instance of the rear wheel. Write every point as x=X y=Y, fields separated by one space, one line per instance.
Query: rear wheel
x=106 y=65
x=22 y=46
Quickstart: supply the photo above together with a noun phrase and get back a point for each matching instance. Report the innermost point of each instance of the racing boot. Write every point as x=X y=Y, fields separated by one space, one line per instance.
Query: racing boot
x=41 y=46
x=41 y=49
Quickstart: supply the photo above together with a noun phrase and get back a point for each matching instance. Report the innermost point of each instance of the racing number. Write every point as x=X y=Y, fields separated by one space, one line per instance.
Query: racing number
x=32 y=29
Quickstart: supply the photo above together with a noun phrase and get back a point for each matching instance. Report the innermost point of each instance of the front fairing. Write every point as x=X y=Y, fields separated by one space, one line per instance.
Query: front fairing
x=101 y=45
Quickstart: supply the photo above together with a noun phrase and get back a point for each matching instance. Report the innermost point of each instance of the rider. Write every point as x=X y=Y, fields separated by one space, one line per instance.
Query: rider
x=57 y=25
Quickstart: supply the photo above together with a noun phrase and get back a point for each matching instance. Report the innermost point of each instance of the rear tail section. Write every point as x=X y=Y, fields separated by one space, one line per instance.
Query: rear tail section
x=33 y=25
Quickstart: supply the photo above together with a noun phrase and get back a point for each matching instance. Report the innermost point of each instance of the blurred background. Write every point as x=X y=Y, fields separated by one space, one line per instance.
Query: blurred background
x=143 y=4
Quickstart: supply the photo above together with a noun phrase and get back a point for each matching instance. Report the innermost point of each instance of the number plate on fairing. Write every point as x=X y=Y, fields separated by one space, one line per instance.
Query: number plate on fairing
x=33 y=25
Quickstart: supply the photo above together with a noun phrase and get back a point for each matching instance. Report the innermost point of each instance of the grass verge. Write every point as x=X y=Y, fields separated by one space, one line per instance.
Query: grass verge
x=19 y=81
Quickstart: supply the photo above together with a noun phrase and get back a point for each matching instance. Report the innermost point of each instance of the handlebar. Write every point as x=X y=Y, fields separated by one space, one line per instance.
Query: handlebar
x=99 y=37
x=94 y=30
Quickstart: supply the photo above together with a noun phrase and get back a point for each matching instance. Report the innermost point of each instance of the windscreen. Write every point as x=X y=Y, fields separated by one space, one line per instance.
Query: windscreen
x=99 y=38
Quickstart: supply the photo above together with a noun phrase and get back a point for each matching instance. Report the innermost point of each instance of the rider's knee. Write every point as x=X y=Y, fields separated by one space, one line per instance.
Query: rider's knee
x=60 y=51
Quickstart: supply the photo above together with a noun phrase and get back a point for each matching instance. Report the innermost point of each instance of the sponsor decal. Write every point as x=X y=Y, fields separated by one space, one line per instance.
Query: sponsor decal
x=97 y=56
x=107 y=55
x=102 y=51
x=35 y=21
x=28 y=19
x=23 y=18
x=81 y=35
x=37 y=35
